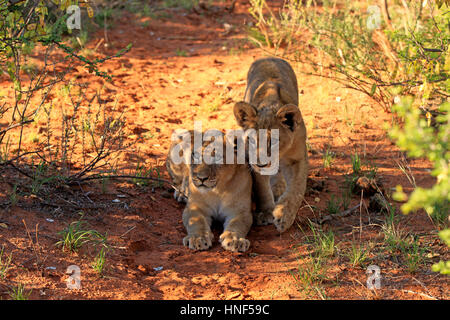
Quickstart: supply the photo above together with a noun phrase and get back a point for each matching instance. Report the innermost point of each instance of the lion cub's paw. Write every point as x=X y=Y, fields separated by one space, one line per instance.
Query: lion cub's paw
x=198 y=242
x=180 y=197
x=282 y=221
x=263 y=218
x=280 y=224
x=233 y=243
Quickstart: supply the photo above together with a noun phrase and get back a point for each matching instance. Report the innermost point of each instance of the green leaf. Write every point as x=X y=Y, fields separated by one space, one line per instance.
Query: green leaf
x=373 y=89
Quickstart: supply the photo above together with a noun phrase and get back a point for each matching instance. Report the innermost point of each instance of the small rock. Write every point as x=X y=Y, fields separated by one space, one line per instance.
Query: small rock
x=142 y=268
x=369 y=186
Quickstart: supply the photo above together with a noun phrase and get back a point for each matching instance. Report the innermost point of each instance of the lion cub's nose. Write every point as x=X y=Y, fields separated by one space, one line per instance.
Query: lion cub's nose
x=203 y=176
x=262 y=165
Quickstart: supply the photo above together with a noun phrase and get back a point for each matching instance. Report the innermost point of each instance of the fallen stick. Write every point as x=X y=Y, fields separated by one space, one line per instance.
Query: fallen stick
x=338 y=215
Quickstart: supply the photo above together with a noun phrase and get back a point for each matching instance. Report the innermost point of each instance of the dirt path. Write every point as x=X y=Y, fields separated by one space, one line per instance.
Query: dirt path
x=189 y=67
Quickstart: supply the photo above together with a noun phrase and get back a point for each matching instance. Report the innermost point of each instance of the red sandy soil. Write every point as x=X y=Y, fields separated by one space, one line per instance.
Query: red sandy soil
x=160 y=91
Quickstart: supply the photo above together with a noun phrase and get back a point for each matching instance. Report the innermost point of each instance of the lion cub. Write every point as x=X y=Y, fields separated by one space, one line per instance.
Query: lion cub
x=218 y=191
x=271 y=102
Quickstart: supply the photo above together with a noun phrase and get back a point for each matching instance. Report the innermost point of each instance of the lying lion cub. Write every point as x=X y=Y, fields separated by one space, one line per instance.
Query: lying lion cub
x=216 y=191
x=271 y=102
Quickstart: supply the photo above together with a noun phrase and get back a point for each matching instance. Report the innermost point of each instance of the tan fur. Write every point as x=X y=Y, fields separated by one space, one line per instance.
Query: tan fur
x=221 y=192
x=179 y=173
x=271 y=102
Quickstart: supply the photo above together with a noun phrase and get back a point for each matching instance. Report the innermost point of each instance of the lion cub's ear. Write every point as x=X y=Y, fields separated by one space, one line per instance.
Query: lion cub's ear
x=245 y=114
x=181 y=135
x=290 y=116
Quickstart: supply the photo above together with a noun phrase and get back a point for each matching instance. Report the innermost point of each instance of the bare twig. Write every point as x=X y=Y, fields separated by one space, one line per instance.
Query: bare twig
x=338 y=215
x=127 y=231
x=7 y=162
x=123 y=177
x=417 y=293
x=423 y=286
x=386 y=15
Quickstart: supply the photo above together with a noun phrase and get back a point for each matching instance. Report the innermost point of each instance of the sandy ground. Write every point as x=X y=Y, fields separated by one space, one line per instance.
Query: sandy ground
x=188 y=67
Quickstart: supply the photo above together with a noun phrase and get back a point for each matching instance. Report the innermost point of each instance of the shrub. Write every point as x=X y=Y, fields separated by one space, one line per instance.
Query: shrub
x=407 y=53
x=30 y=111
x=419 y=139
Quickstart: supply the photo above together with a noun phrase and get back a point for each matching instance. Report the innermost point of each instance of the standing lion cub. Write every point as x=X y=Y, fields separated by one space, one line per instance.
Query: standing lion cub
x=216 y=191
x=271 y=102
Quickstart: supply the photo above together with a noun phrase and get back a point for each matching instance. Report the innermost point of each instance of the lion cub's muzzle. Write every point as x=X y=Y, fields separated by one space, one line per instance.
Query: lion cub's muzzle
x=204 y=179
x=260 y=167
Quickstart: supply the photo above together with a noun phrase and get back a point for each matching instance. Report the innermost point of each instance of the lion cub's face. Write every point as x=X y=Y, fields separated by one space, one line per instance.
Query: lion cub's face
x=211 y=170
x=207 y=167
x=285 y=118
x=204 y=165
x=204 y=176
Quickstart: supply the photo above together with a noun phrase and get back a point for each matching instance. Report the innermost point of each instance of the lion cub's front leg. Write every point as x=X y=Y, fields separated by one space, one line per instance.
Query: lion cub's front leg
x=264 y=200
x=197 y=224
x=236 y=227
x=182 y=193
x=288 y=204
